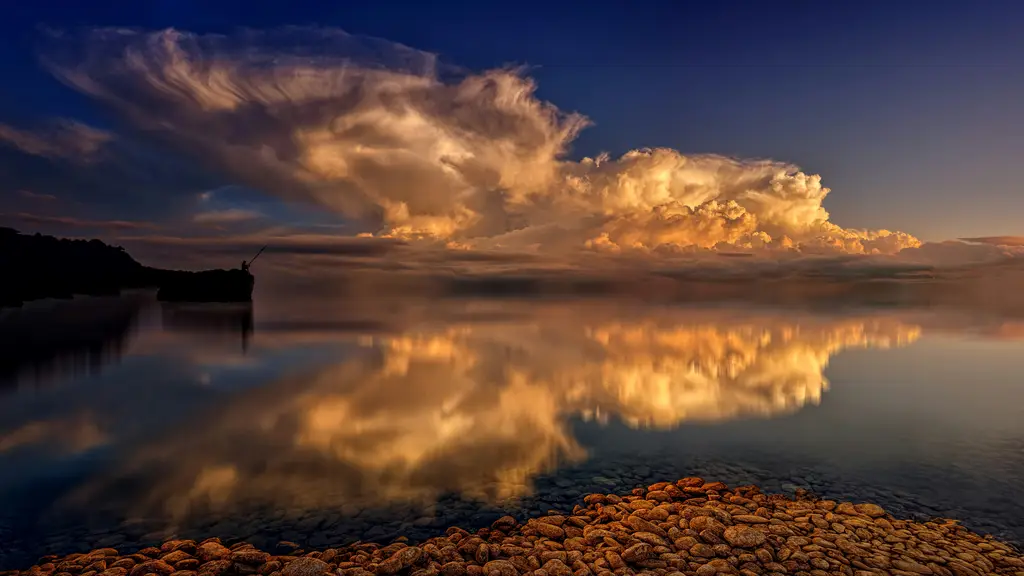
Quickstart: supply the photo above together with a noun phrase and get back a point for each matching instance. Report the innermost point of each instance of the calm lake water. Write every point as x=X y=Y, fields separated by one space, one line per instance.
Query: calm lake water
x=124 y=421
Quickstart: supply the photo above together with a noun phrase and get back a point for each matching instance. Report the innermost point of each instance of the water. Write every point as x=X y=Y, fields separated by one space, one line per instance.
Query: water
x=123 y=421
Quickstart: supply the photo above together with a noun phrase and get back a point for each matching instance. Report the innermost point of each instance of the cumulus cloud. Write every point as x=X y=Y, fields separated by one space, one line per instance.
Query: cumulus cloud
x=384 y=135
x=63 y=139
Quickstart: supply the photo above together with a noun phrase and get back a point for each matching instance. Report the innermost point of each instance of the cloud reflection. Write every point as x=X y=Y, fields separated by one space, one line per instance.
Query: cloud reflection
x=481 y=407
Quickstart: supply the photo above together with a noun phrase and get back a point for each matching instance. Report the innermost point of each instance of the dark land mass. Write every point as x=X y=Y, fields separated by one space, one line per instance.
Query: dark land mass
x=37 y=267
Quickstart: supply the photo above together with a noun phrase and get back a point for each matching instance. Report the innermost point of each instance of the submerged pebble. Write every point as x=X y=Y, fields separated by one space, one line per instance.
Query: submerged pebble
x=665 y=529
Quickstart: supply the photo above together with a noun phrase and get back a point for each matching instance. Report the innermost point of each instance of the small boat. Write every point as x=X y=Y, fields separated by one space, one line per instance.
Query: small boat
x=208 y=285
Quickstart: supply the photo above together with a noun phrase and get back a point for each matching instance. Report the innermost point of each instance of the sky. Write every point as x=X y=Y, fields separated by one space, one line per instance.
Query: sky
x=909 y=112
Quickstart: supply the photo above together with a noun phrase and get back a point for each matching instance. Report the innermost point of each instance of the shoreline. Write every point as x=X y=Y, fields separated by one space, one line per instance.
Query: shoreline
x=688 y=527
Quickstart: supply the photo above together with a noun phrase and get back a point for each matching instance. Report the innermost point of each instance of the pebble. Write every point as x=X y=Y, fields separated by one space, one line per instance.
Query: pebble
x=666 y=529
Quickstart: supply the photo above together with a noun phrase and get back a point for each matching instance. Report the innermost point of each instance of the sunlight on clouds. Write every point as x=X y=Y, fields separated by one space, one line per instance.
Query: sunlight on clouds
x=63 y=139
x=372 y=131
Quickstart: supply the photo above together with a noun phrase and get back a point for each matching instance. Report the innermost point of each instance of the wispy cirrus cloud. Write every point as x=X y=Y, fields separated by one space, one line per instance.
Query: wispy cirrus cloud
x=72 y=222
x=36 y=196
x=61 y=139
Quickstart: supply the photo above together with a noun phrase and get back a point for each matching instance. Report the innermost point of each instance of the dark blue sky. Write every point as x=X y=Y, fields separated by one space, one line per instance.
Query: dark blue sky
x=912 y=111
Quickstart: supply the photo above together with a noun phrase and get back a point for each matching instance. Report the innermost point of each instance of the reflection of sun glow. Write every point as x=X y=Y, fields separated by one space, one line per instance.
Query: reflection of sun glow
x=481 y=408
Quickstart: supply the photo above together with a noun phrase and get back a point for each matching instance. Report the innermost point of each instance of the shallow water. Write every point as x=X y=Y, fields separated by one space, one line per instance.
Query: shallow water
x=123 y=421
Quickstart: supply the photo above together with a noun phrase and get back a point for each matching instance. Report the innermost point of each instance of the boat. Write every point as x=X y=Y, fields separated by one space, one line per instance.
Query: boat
x=208 y=285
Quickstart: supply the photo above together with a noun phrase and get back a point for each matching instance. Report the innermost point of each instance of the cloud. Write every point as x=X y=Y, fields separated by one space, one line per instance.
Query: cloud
x=957 y=253
x=384 y=135
x=36 y=196
x=72 y=222
x=997 y=240
x=63 y=139
x=226 y=216
x=276 y=243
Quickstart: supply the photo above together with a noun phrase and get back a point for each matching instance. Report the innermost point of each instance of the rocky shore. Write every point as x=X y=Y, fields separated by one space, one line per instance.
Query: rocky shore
x=686 y=527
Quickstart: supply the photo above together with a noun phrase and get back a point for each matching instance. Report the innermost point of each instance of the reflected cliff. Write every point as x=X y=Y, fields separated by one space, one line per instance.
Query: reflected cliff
x=481 y=407
x=225 y=319
x=51 y=341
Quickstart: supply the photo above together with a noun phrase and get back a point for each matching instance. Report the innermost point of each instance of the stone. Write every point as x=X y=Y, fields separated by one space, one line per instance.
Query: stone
x=750 y=519
x=744 y=537
x=401 y=560
x=305 y=566
x=249 y=556
x=666 y=529
x=868 y=509
x=637 y=553
x=208 y=551
x=175 y=557
x=556 y=568
x=707 y=570
x=188 y=546
x=547 y=530
x=214 y=568
x=152 y=567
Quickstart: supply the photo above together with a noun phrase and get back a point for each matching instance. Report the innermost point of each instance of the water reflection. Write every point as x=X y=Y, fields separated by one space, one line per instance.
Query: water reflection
x=58 y=341
x=482 y=407
x=50 y=341
x=227 y=319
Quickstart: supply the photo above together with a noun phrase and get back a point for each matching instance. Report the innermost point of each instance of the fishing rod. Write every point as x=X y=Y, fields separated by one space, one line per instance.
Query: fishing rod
x=256 y=256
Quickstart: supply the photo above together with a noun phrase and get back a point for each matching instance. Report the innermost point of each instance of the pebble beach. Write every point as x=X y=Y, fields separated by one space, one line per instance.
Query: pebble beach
x=668 y=528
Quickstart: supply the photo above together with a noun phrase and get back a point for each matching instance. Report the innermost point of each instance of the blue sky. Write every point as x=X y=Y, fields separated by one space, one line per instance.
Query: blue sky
x=911 y=111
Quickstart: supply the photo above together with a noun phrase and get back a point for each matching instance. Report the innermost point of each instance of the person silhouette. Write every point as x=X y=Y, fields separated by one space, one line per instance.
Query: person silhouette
x=245 y=266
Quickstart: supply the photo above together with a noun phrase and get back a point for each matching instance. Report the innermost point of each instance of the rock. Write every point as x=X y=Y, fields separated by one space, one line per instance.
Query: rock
x=401 y=560
x=188 y=546
x=454 y=569
x=744 y=537
x=175 y=557
x=208 y=551
x=547 y=530
x=707 y=570
x=214 y=568
x=556 y=568
x=750 y=519
x=637 y=553
x=305 y=566
x=500 y=568
x=152 y=567
x=868 y=509
x=250 y=556
x=663 y=529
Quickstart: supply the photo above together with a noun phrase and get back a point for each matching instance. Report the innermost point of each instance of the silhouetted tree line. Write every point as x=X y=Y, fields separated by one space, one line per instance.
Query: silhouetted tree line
x=37 y=266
